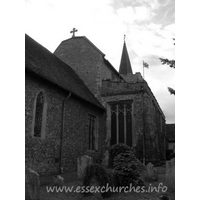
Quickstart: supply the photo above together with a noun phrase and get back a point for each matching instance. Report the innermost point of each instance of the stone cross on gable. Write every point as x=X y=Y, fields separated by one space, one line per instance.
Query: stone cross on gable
x=73 y=31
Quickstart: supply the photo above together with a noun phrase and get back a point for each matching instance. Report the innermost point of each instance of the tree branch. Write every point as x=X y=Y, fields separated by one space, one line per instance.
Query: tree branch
x=166 y=61
x=171 y=90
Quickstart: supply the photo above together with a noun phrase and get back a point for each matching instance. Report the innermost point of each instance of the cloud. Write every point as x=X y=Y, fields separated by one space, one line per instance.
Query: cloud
x=142 y=13
x=148 y=25
x=129 y=14
x=153 y=4
x=166 y=13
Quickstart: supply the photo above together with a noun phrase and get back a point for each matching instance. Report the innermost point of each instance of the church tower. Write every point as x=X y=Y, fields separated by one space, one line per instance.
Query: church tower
x=125 y=64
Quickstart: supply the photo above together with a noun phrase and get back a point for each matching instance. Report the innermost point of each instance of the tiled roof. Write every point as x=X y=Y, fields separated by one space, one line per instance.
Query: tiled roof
x=43 y=63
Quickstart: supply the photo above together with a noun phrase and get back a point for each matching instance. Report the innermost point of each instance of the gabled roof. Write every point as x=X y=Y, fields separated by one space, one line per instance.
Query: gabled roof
x=81 y=37
x=43 y=63
x=125 y=64
x=65 y=42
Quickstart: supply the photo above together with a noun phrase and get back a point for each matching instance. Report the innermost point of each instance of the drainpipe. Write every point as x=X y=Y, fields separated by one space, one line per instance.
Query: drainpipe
x=62 y=132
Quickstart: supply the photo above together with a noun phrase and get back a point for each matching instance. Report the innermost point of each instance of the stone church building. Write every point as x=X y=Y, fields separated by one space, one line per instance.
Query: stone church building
x=133 y=115
x=77 y=102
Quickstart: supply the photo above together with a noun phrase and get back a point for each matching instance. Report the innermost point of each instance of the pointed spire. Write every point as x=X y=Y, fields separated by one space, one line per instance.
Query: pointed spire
x=125 y=64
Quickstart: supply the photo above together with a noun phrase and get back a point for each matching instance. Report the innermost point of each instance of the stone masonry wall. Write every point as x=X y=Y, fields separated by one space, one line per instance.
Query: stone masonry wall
x=142 y=121
x=43 y=155
x=84 y=59
x=122 y=87
x=116 y=87
x=107 y=73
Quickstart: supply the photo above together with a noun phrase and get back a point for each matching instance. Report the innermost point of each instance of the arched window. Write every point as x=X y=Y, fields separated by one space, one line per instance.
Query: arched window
x=121 y=123
x=39 y=115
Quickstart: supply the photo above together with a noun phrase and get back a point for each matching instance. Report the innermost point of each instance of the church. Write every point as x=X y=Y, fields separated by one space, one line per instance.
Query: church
x=77 y=102
x=133 y=115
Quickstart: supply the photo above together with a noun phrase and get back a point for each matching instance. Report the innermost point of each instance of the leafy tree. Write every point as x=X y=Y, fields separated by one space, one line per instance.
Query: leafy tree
x=171 y=64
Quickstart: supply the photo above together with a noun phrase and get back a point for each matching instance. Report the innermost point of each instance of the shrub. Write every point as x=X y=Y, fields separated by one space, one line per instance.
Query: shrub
x=116 y=150
x=126 y=170
x=126 y=166
x=101 y=175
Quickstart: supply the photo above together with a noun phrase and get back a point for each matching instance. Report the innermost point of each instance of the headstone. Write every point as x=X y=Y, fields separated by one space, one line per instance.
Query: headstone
x=106 y=158
x=151 y=173
x=82 y=163
x=58 y=180
x=32 y=185
x=170 y=174
x=155 y=174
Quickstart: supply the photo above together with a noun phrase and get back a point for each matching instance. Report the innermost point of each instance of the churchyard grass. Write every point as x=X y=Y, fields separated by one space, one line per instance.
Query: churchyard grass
x=71 y=181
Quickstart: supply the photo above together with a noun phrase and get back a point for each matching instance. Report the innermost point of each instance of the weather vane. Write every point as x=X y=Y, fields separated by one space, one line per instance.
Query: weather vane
x=124 y=37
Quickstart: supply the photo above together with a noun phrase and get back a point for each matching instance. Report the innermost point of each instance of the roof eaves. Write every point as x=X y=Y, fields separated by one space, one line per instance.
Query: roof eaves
x=63 y=88
x=29 y=63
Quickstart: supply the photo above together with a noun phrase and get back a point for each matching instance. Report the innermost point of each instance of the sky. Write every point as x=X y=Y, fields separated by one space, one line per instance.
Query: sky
x=149 y=26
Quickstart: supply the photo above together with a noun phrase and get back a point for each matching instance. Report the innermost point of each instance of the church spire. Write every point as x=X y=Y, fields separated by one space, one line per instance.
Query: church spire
x=125 y=64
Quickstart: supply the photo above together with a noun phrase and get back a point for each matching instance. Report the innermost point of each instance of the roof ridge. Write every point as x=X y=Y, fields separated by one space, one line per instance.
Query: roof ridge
x=76 y=37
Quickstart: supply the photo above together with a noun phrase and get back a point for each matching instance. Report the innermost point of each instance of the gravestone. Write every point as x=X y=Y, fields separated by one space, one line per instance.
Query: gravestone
x=105 y=159
x=170 y=174
x=151 y=173
x=32 y=185
x=58 y=180
x=82 y=163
